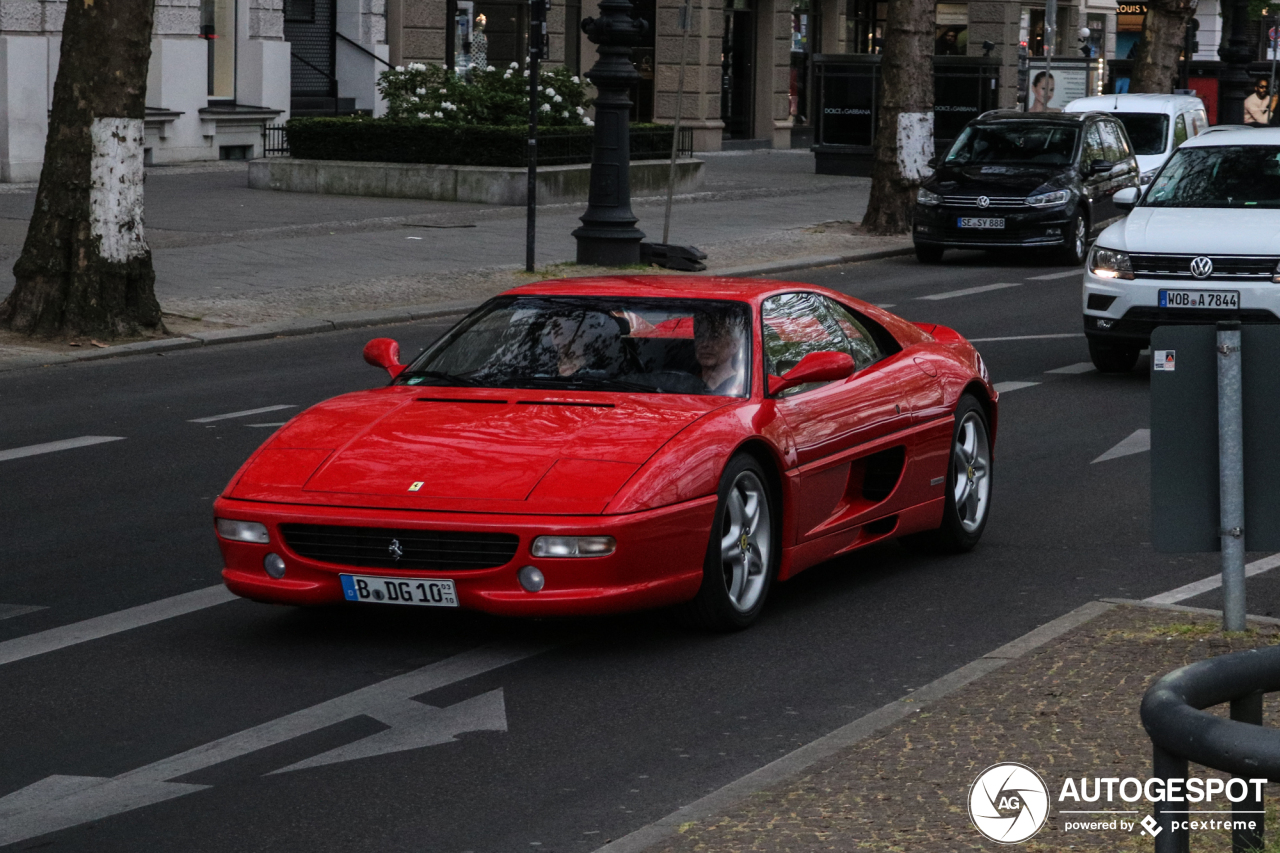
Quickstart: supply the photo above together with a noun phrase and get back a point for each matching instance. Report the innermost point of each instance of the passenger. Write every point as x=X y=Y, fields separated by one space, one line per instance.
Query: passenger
x=580 y=341
x=717 y=340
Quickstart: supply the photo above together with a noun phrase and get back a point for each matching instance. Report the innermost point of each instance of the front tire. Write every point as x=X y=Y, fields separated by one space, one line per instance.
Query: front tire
x=1076 y=235
x=929 y=254
x=742 y=554
x=1113 y=357
x=968 y=500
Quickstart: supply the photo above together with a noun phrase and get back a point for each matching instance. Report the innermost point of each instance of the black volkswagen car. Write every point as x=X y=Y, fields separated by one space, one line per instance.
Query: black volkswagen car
x=1016 y=179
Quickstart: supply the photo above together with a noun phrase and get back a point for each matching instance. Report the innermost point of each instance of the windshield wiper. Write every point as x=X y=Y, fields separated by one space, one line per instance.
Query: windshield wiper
x=450 y=378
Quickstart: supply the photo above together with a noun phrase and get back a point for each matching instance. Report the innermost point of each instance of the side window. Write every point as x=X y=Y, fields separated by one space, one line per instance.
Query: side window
x=1180 y=130
x=1114 y=141
x=1093 y=149
x=859 y=342
x=797 y=324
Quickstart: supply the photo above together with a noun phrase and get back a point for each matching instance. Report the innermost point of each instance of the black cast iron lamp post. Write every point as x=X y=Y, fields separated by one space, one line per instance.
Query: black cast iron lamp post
x=609 y=236
x=1235 y=54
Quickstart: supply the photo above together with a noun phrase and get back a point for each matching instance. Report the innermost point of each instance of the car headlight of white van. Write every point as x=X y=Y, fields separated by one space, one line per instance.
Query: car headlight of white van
x=1149 y=176
x=923 y=196
x=1049 y=199
x=1110 y=263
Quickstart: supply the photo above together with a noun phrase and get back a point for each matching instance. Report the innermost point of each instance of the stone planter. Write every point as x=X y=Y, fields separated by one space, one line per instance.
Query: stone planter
x=477 y=184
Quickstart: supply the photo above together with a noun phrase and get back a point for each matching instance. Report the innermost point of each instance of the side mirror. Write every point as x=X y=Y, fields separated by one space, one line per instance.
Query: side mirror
x=814 y=367
x=1126 y=198
x=1101 y=167
x=384 y=353
x=934 y=161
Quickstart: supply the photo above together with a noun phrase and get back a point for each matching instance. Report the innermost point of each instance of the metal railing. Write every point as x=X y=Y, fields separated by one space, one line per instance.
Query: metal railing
x=1181 y=732
x=275 y=141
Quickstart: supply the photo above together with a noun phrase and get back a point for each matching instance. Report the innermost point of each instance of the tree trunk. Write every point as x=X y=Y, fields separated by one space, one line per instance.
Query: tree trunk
x=85 y=268
x=904 y=130
x=1155 y=66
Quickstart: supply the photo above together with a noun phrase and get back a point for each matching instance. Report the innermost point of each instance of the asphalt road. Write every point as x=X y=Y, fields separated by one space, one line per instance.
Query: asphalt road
x=555 y=735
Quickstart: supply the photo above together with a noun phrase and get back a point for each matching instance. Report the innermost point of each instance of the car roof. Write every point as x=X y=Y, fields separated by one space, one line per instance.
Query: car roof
x=1135 y=103
x=665 y=287
x=991 y=116
x=1243 y=136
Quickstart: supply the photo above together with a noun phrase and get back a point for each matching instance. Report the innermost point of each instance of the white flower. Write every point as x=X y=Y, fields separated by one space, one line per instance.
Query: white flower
x=526 y=72
x=444 y=91
x=421 y=92
x=557 y=99
x=438 y=114
x=491 y=68
x=422 y=115
x=588 y=122
x=566 y=113
x=581 y=111
x=445 y=105
x=576 y=80
x=417 y=66
x=400 y=68
x=413 y=98
x=515 y=66
x=546 y=108
x=506 y=76
x=550 y=91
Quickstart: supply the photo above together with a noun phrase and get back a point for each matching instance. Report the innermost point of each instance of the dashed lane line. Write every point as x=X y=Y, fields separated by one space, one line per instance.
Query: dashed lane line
x=1079 y=367
x=970 y=291
x=1138 y=442
x=1051 y=276
x=1006 y=387
x=53 y=639
x=1026 y=338
x=8 y=611
x=243 y=414
x=55 y=446
x=1200 y=587
x=280 y=424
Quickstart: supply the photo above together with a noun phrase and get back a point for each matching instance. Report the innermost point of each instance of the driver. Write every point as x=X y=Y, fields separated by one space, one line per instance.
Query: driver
x=717 y=341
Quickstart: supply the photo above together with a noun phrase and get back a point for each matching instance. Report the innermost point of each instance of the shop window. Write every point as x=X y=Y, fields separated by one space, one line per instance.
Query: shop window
x=1128 y=28
x=506 y=31
x=300 y=11
x=864 y=24
x=951 y=29
x=1032 y=31
x=218 y=28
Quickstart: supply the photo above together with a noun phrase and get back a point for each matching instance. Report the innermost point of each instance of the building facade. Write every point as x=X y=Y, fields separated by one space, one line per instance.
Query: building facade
x=220 y=70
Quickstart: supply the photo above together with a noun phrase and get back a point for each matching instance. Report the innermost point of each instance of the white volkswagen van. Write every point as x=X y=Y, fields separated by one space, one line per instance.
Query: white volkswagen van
x=1156 y=124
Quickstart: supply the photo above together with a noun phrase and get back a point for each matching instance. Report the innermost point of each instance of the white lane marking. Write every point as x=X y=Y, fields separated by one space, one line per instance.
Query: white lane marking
x=1026 y=338
x=1212 y=582
x=1139 y=442
x=55 y=446
x=53 y=639
x=8 y=611
x=280 y=424
x=1004 y=387
x=1051 y=276
x=59 y=802
x=969 y=291
x=1078 y=367
x=885 y=305
x=243 y=414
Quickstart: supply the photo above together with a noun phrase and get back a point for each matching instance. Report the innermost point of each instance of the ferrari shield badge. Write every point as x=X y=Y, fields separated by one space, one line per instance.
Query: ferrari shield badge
x=416 y=486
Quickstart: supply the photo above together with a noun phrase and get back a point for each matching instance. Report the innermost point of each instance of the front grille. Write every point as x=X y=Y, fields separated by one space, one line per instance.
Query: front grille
x=992 y=201
x=437 y=550
x=1225 y=267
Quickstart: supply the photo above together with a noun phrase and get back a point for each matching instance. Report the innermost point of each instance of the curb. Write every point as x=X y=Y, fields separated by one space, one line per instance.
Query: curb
x=386 y=316
x=717 y=802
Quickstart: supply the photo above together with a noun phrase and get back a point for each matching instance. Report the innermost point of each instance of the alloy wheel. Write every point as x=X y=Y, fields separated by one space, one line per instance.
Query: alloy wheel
x=745 y=541
x=1080 y=237
x=971 y=460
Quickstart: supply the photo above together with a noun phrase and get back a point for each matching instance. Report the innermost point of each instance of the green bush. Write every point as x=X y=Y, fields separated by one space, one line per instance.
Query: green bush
x=486 y=96
x=413 y=140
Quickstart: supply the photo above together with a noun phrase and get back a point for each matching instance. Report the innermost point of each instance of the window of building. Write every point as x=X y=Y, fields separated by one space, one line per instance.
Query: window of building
x=864 y=25
x=300 y=11
x=951 y=29
x=1128 y=28
x=218 y=28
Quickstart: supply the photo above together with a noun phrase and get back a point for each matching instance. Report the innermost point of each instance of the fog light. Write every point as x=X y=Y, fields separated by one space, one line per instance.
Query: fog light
x=531 y=579
x=242 y=531
x=1105 y=324
x=274 y=565
x=573 y=546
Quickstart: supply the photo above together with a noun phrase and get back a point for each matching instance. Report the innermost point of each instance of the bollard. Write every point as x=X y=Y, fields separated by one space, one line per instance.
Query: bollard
x=1166 y=765
x=1248 y=709
x=1231 y=475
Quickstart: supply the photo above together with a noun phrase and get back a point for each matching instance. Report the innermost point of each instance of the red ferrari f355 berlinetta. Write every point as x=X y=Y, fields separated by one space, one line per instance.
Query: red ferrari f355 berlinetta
x=604 y=444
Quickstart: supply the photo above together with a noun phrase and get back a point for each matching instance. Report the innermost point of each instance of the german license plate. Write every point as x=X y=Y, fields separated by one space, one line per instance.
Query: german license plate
x=979 y=222
x=1226 y=300
x=375 y=590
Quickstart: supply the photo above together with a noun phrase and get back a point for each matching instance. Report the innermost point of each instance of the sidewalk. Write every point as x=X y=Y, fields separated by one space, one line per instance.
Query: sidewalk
x=1063 y=700
x=227 y=257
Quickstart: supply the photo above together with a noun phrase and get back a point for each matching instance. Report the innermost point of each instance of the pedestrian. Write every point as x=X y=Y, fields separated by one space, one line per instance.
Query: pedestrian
x=1259 y=106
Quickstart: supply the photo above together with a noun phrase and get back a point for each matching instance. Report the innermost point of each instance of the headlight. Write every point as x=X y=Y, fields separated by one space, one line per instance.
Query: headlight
x=1149 y=176
x=923 y=196
x=1049 y=199
x=1110 y=263
x=573 y=546
x=242 y=531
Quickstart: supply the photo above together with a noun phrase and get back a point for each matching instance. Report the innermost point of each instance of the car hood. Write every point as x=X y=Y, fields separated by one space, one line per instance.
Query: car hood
x=467 y=450
x=997 y=180
x=1183 y=230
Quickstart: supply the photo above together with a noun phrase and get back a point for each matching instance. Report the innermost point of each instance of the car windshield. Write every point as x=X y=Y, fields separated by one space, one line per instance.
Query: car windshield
x=1020 y=143
x=1221 y=176
x=598 y=343
x=1149 y=132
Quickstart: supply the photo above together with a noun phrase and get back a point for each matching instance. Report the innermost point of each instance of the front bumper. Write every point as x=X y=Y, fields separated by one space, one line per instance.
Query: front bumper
x=1029 y=227
x=1128 y=311
x=658 y=560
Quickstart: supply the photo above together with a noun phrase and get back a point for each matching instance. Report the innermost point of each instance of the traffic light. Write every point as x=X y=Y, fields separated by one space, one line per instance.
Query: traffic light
x=1191 y=44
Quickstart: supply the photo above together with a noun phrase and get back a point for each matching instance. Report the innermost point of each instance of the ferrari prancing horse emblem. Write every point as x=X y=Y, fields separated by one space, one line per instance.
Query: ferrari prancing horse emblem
x=416 y=486
x=395 y=549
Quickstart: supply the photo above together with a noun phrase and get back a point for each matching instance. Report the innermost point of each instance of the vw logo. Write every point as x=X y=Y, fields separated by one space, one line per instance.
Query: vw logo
x=395 y=550
x=1201 y=267
x=1008 y=802
x=983 y=201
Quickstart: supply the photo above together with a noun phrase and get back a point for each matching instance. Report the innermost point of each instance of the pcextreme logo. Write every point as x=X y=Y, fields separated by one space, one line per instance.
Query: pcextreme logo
x=1008 y=802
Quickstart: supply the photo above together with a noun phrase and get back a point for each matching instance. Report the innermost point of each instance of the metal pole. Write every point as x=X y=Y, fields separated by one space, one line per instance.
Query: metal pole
x=537 y=42
x=1166 y=765
x=1231 y=475
x=1050 y=34
x=686 y=21
x=1248 y=709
